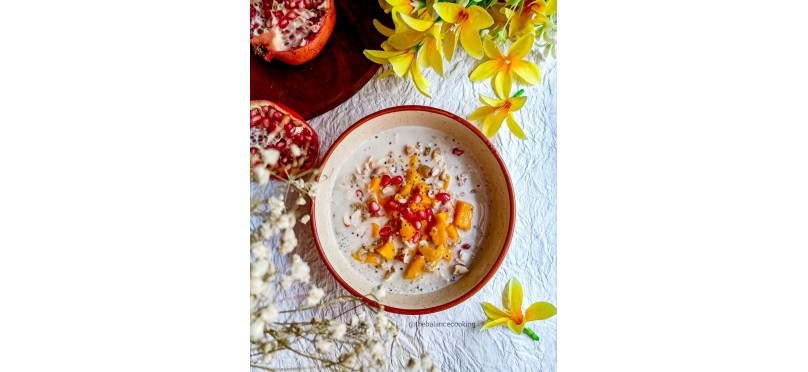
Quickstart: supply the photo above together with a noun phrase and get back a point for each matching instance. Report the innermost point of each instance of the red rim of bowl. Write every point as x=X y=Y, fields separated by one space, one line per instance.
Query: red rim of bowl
x=505 y=247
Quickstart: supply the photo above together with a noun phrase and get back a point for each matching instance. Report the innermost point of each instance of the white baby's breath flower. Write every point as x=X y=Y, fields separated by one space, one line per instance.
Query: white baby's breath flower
x=286 y=282
x=301 y=201
x=257 y=330
x=354 y=321
x=288 y=242
x=259 y=250
x=300 y=269
x=295 y=149
x=269 y=314
x=323 y=345
x=259 y=268
x=258 y=287
x=276 y=205
x=305 y=219
x=313 y=187
x=426 y=362
x=270 y=156
x=377 y=352
x=299 y=183
x=260 y=175
x=348 y=359
x=382 y=323
x=413 y=365
x=337 y=329
x=315 y=296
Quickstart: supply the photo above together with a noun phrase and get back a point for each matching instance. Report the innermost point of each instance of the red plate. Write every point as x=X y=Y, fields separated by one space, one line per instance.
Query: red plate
x=335 y=75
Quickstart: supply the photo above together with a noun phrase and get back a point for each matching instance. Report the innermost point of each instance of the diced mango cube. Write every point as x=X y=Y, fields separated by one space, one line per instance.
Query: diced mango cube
x=442 y=217
x=453 y=234
x=446 y=253
x=431 y=254
x=413 y=160
x=416 y=268
x=407 y=230
x=372 y=259
x=374 y=230
x=387 y=250
x=463 y=214
x=356 y=256
x=438 y=233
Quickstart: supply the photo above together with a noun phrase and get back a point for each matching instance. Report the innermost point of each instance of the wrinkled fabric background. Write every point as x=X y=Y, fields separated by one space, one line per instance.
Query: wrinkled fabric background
x=532 y=254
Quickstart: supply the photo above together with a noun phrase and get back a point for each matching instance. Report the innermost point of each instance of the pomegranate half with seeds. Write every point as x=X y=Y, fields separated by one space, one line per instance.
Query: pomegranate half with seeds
x=292 y=31
x=275 y=126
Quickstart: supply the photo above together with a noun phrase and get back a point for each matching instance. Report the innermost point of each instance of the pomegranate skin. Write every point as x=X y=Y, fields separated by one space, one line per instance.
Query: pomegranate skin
x=303 y=54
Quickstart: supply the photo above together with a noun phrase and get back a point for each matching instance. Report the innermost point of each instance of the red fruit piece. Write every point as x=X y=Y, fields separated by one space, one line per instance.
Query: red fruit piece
x=385 y=232
x=298 y=146
x=443 y=197
x=397 y=180
x=457 y=151
x=292 y=31
x=385 y=180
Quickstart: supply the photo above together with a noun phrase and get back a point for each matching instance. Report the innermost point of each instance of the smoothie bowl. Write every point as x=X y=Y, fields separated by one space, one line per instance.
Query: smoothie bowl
x=416 y=200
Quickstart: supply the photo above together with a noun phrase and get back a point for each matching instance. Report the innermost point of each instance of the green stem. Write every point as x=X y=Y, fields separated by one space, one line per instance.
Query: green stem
x=532 y=335
x=519 y=93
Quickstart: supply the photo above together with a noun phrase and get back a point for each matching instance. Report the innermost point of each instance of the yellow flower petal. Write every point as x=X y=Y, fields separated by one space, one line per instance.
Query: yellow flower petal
x=528 y=71
x=470 y=40
x=491 y=50
x=502 y=84
x=515 y=327
x=421 y=83
x=494 y=323
x=517 y=131
x=481 y=113
x=385 y=74
x=512 y=295
x=490 y=127
x=380 y=56
x=384 y=30
x=448 y=11
x=478 y=18
x=493 y=312
x=416 y=24
x=405 y=40
x=485 y=70
x=449 y=44
x=517 y=103
x=551 y=8
x=435 y=60
x=491 y=101
x=401 y=63
x=521 y=47
x=540 y=311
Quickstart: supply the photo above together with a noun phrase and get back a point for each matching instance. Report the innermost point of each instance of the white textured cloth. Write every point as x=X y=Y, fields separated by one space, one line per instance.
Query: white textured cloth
x=532 y=254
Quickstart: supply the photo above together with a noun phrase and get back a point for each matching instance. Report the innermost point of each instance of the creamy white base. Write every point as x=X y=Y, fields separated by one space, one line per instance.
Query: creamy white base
x=467 y=184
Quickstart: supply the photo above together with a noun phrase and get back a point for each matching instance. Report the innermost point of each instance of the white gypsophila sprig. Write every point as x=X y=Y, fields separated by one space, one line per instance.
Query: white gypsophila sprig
x=360 y=340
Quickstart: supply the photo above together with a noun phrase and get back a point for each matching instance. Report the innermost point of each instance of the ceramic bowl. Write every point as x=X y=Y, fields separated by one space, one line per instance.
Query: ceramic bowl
x=497 y=235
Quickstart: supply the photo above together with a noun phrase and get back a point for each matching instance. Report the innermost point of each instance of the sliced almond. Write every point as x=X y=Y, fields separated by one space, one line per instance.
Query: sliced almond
x=460 y=270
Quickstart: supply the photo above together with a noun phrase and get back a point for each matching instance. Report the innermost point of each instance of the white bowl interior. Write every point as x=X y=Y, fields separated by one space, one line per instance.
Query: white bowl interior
x=495 y=233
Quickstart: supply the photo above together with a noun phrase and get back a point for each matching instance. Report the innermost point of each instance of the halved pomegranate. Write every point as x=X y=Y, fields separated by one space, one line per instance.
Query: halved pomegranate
x=293 y=31
x=275 y=126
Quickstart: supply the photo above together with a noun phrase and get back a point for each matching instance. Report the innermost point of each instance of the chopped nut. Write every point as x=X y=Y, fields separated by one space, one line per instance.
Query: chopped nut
x=424 y=170
x=409 y=150
x=460 y=269
x=388 y=190
x=427 y=150
x=382 y=170
x=346 y=219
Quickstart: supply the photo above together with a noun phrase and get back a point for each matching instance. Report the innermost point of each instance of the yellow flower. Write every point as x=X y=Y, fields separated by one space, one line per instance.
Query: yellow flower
x=403 y=9
x=429 y=42
x=469 y=22
x=512 y=314
x=533 y=12
x=495 y=111
x=404 y=63
x=503 y=67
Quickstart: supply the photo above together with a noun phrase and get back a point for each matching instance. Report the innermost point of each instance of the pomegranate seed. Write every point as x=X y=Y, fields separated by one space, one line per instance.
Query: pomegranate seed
x=417 y=225
x=429 y=215
x=283 y=23
x=417 y=199
x=397 y=180
x=420 y=216
x=466 y=246
x=359 y=194
x=415 y=238
x=385 y=180
x=385 y=232
x=392 y=205
x=280 y=145
x=443 y=197
x=374 y=207
x=265 y=123
x=407 y=214
x=457 y=151
x=277 y=115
